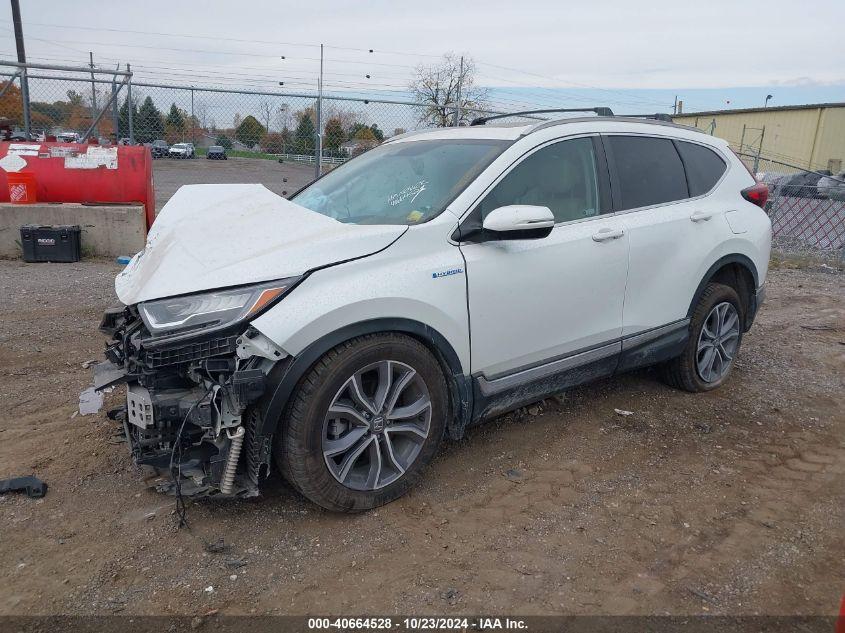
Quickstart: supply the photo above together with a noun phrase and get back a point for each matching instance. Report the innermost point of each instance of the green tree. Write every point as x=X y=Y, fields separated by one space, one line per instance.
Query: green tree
x=304 y=134
x=377 y=133
x=334 y=135
x=223 y=141
x=149 y=125
x=250 y=131
x=74 y=98
x=174 y=125
x=123 y=118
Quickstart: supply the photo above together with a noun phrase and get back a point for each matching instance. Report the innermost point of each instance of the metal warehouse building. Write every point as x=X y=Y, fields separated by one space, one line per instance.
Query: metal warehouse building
x=807 y=136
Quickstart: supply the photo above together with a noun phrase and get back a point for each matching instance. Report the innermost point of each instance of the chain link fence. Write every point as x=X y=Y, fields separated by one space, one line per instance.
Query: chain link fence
x=807 y=207
x=260 y=124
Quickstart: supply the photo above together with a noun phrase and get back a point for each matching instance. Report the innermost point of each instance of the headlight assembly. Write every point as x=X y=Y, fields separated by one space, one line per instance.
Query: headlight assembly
x=215 y=309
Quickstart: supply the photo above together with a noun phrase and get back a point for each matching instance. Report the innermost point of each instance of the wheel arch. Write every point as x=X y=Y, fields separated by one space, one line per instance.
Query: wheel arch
x=284 y=377
x=738 y=272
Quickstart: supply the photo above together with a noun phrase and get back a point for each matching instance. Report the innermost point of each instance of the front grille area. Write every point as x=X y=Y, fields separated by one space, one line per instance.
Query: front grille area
x=191 y=352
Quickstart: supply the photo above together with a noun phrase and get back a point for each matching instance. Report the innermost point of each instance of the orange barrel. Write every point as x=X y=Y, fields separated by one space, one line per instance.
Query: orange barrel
x=21 y=187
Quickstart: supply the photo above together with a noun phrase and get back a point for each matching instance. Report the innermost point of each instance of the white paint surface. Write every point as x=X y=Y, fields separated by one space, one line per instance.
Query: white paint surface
x=12 y=163
x=215 y=236
x=95 y=157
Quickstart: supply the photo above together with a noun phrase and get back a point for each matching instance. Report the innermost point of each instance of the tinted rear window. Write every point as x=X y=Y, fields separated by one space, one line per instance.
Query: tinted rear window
x=649 y=170
x=704 y=167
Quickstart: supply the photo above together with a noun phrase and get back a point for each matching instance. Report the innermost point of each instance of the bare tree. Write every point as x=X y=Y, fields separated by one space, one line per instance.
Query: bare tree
x=265 y=111
x=202 y=113
x=441 y=86
x=283 y=115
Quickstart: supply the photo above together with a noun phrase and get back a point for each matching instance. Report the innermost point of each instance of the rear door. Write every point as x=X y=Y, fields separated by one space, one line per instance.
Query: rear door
x=672 y=222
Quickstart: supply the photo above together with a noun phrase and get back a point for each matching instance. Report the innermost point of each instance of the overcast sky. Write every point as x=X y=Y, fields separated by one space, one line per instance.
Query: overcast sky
x=519 y=46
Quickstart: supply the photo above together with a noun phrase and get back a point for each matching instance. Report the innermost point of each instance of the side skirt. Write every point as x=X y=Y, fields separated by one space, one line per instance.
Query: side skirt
x=500 y=394
x=653 y=346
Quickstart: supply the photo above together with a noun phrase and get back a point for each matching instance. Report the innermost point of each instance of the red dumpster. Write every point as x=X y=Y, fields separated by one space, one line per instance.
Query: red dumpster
x=75 y=172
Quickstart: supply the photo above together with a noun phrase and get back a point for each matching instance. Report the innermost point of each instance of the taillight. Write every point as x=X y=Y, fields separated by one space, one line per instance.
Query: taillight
x=757 y=194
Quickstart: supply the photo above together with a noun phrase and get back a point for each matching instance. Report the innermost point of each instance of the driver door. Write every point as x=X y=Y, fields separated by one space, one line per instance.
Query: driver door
x=541 y=309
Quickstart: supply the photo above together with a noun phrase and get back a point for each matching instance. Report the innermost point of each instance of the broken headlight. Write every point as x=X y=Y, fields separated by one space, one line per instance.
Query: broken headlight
x=215 y=309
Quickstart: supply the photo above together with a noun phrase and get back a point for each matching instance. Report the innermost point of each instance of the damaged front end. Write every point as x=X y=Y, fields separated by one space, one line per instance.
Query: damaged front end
x=191 y=399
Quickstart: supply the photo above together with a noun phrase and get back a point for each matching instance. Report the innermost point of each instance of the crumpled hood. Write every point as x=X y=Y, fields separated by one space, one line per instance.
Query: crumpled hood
x=214 y=236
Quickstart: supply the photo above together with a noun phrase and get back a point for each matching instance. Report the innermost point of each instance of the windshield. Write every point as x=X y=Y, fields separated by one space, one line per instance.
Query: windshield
x=400 y=183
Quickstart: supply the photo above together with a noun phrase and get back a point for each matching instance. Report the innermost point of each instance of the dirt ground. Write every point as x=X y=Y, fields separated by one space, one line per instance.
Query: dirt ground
x=281 y=178
x=729 y=502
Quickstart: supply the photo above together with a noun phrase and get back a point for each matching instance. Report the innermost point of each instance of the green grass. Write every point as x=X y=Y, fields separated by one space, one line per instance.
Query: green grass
x=237 y=153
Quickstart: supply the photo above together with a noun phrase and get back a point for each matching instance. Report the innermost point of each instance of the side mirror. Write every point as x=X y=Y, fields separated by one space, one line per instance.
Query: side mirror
x=519 y=222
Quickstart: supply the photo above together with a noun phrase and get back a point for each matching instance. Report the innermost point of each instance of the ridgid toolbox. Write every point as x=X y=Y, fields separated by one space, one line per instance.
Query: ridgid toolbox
x=50 y=243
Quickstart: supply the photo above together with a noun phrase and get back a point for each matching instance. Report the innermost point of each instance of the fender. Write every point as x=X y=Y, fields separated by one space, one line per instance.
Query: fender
x=734 y=258
x=286 y=374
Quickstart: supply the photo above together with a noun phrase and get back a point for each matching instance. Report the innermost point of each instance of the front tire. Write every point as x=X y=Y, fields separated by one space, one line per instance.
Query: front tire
x=363 y=423
x=714 y=341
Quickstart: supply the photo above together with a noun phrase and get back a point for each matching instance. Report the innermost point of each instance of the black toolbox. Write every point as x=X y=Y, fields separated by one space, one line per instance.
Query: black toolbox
x=50 y=243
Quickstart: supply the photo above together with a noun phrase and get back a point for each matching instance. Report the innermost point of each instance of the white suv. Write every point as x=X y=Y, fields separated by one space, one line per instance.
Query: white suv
x=433 y=282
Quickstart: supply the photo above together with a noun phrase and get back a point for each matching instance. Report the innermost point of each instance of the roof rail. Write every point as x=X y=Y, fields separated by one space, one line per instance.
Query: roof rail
x=667 y=118
x=600 y=111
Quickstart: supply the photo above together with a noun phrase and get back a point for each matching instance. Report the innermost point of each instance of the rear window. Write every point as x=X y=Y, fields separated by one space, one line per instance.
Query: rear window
x=649 y=170
x=704 y=167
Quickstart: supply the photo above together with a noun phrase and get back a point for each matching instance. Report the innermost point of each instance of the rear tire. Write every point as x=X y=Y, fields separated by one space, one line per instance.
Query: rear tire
x=714 y=341
x=363 y=423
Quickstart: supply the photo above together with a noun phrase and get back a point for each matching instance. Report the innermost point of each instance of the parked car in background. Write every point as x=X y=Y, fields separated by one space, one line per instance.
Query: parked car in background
x=216 y=152
x=800 y=185
x=68 y=137
x=159 y=149
x=439 y=279
x=182 y=150
x=832 y=186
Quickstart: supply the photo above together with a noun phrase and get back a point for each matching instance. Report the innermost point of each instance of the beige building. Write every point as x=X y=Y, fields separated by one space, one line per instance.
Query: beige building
x=807 y=136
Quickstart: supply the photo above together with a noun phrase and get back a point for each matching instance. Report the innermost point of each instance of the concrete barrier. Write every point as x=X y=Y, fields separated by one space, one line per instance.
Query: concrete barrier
x=107 y=230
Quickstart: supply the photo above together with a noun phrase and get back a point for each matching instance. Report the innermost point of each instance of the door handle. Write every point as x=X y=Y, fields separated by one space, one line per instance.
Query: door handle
x=607 y=234
x=701 y=216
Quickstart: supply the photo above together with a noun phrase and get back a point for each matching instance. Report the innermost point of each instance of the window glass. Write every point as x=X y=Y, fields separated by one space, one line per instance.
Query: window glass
x=561 y=177
x=704 y=167
x=649 y=170
x=400 y=183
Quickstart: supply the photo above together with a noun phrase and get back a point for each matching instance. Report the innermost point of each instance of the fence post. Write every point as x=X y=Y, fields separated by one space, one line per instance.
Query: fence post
x=115 y=111
x=193 y=140
x=318 y=146
x=25 y=99
x=96 y=127
x=131 y=106
x=759 y=150
x=742 y=139
x=458 y=103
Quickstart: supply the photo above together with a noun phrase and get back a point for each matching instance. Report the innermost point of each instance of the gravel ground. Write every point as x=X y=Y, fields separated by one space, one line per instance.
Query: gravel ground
x=282 y=178
x=729 y=502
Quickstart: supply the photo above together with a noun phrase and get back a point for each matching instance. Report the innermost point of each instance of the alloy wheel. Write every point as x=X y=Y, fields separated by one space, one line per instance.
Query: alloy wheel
x=376 y=425
x=717 y=342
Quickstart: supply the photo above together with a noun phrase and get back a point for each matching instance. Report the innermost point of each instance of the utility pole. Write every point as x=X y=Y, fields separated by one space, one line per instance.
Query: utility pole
x=675 y=107
x=16 y=19
x=93 y=93
x=319 y=138
x=458 y=104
